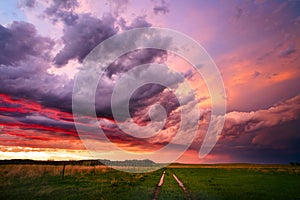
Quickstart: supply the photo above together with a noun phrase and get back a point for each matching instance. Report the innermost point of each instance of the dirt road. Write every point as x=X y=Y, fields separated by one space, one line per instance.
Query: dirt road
x=161 y=182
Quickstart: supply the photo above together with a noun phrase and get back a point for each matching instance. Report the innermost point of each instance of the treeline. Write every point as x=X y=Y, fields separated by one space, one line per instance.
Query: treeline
x=295 y=163
x=145 y=162
x=50 y=162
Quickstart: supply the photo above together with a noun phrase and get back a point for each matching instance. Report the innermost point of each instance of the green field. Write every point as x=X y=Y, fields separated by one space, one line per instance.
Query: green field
x=99 y=182
x=241 y=183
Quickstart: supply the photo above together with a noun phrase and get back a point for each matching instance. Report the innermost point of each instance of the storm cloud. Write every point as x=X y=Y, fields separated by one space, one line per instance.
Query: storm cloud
x=267 y=136
x=41 y=57
x=19 y=41
x=62 y=10
x=80 y=38
x=161 y=8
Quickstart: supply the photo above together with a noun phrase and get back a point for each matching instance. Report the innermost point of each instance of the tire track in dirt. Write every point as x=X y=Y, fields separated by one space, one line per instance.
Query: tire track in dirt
x=186 y=193
x=158 y=187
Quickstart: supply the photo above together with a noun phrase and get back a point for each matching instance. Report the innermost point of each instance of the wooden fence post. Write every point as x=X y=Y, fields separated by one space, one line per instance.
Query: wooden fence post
x=63 y=171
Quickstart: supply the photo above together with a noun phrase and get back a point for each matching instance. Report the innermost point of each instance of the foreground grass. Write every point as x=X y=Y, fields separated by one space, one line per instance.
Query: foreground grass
x=100 y=182
x=241 y=183
x=79 y=182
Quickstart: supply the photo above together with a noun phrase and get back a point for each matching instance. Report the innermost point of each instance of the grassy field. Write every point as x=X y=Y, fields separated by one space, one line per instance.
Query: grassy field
x=241 y=181
x=79 y=182
x=99 y=182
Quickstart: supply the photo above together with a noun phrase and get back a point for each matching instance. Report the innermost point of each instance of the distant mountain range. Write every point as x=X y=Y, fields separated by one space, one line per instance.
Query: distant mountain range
x=145 y=162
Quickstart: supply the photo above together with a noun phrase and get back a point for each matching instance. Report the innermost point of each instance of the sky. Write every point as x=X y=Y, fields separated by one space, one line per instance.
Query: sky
x=255 y=45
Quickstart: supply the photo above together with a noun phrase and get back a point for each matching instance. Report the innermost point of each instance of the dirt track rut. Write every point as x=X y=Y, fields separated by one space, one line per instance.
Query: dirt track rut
x=161 y=182
x=158 y=187
x=186 y=193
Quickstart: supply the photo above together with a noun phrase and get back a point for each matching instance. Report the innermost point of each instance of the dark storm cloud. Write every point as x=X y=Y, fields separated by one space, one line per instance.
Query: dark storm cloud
x=147 y=91
x=256 y=120
x=161 y=8
x=65 y=5
x=124 y=64
x=137 y=22
x=86 y=32
x=25 y=58
x=63 y=10
x=270 y=135
x=23 y=48
x=47 y=122
x=262 y=136
x=135 y=58
x=277 y=144
x=20 y=40
x=140 y=98
x=82 y=32
x=80 y=38
x=28 y=3
x=149 y=95
x=30 y=80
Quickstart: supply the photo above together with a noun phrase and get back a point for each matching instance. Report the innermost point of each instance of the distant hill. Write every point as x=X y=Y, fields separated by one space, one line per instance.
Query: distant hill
x=145 y=162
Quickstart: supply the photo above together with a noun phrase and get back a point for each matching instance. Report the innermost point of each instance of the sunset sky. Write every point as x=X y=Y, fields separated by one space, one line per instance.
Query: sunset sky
x=255 y=45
